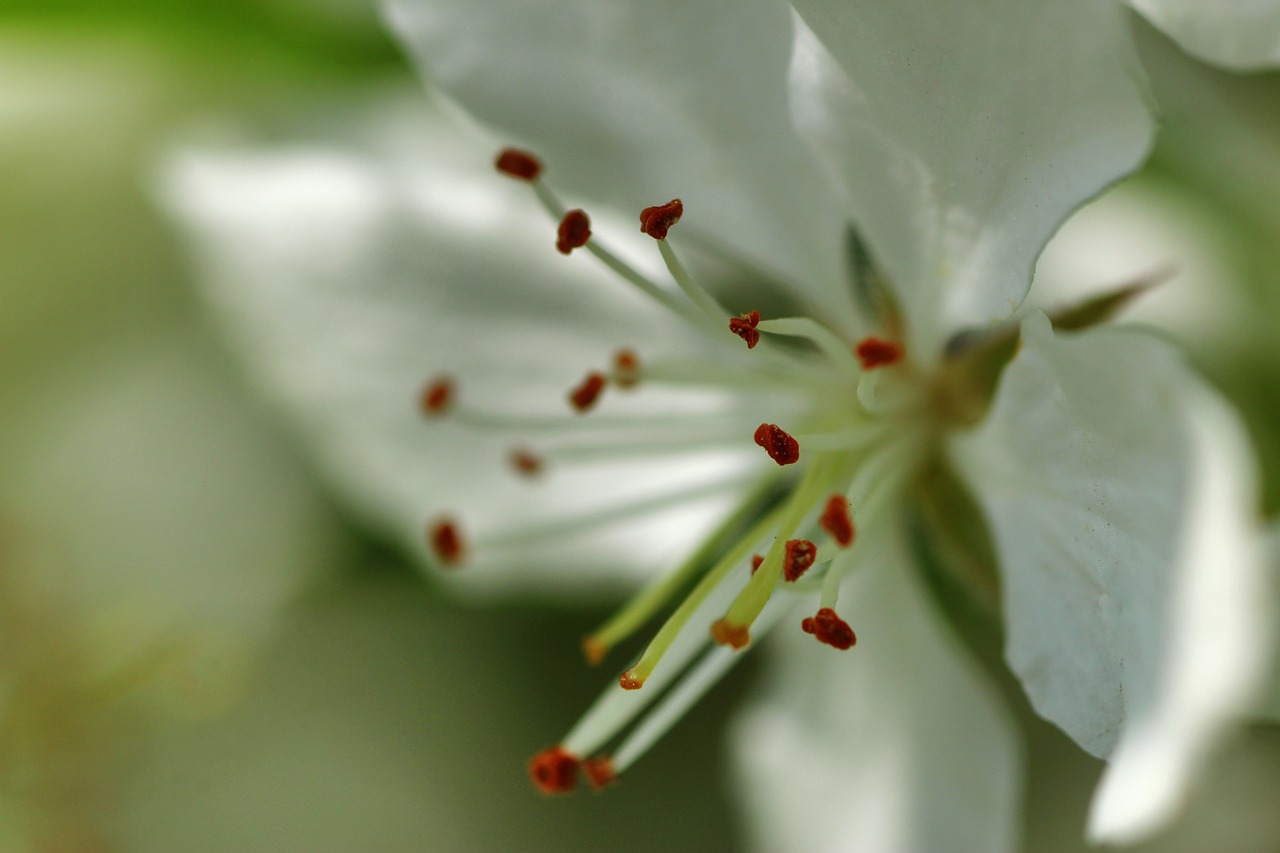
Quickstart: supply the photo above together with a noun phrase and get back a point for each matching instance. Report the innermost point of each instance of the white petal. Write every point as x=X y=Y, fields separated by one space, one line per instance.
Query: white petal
x=635 y=103
x=1121 y=494
x=1238 y=34
x=962 y=134
x=898 y=744
x=349 y=274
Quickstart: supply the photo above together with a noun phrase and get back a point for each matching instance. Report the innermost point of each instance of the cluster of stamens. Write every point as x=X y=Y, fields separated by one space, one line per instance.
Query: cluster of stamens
x=819 y=500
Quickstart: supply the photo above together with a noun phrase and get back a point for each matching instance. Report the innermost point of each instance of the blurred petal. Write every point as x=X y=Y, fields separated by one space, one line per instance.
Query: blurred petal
x=634 y=103
x=898 y=744
x=1239 y=34
x=1121 y=494
x=986 y=127
x=350 y=273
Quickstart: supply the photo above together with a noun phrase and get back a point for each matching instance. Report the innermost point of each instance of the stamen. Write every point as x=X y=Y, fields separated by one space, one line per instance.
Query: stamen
x=753 y=597
x=585 y=395
x=756 y=560
x=526 y=462
x=554 y=770
x=643 y=606
x=626 y=368
x=600 y=771
x=616 y=708
x=727 y=634
x=798 y=556
x=837 y=521
x=780 y=446
x=592 y=521
x=836 y=350
x=829 y=628
x=446 y=542
x=628 y=681
x=568 y=424
x=437 y=397
x=745 y=328
x=874 y=352
x=574 y=231
x=670 y=631
x=656 y=221
x=660 y=294
x=697 y=294
x=518 y=164
x=677 y=702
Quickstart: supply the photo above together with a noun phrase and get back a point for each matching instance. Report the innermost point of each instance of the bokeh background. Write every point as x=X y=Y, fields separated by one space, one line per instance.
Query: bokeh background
x=199 y=652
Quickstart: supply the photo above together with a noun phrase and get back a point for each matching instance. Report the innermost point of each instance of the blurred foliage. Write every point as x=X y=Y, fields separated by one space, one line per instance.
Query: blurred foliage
x=195 y=654
x=338 y=33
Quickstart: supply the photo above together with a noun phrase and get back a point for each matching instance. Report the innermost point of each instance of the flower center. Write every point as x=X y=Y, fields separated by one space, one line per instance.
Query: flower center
x=859 y=434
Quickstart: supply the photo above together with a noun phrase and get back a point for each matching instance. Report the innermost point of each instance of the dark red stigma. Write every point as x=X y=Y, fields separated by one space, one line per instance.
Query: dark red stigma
x=518 y=164
x=446 y=542
x=780 y=446
x=574 y=231
x=437 y=397
x=745 y=328
x=656 y=221
x=829 y=628
x=554 y=770
x=600 y=771
x=756 y=561
x=734 y=636
x=626 y=368
x=874 y=352
x=837 y=521
x=585 y=395
x=526 y=462
x=627 y=681
x=798 y=556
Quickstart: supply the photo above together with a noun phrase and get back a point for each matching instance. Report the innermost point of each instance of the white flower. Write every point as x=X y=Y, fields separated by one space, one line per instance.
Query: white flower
x=956 y=139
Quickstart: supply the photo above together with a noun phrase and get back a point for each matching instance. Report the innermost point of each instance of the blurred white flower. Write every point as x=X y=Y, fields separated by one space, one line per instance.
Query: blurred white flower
x=1118 y=487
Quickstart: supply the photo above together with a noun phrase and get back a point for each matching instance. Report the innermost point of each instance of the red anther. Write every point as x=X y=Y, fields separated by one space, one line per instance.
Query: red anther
x=626 y=368
x=798 y=556
x=874 y=352
x=734 y=636
x=745 y=328
x=585 y=395
x=627 y=681
x=575 y=230
x=656 y=221
x=829 y=628
x=446 y=542
x=600 y=771
x=436 y=397
x=518 y=164
x=837 y=521
x=554 y=770
x=594 y=650
x=780 y=446
x=756 y=560
x=525 y=462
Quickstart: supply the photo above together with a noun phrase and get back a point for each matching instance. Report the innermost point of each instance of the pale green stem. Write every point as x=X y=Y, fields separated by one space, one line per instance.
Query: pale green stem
x=641 y=608
x=732 y=560
x=836 y=350
x=747 y=606
x=697 y=294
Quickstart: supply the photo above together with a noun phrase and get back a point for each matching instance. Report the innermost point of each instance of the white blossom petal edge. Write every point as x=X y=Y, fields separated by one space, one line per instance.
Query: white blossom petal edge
x=1240 y=34
x=1134 y=588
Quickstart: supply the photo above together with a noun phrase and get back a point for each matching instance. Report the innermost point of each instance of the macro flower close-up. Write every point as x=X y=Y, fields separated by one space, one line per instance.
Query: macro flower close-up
x=732 y=319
